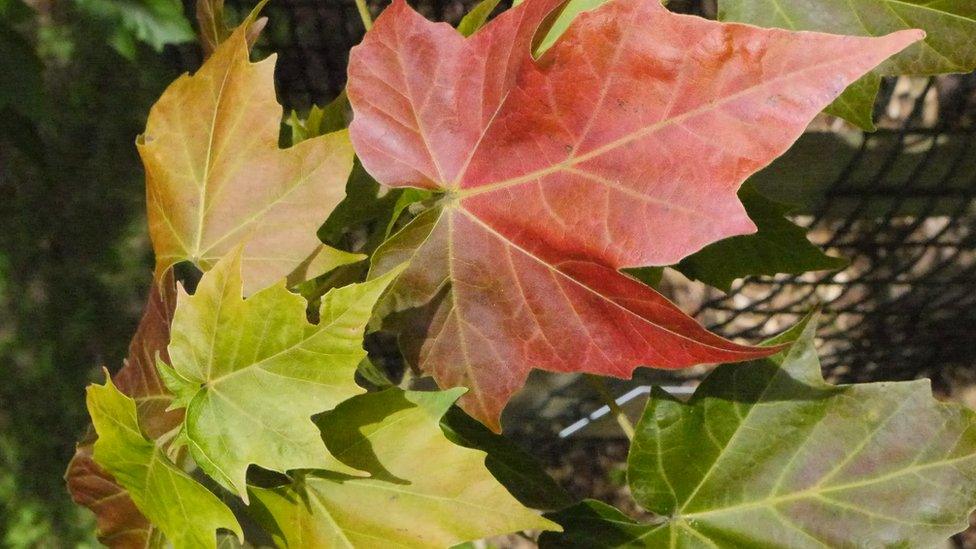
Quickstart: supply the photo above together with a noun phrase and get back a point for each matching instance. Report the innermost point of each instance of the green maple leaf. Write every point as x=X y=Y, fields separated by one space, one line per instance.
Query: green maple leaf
x=477 y=17
x=251 y=373
x=562 y=20
x=186 y=512
x=592 y=524
x=767 y=454
x=424 y=491
x=778 y=246
x=948 y=46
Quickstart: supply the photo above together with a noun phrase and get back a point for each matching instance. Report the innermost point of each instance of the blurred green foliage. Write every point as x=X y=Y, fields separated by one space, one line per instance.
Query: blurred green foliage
x=74 y=258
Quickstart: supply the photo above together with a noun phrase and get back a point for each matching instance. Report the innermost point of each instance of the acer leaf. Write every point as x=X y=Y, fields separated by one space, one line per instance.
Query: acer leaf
x=856 y=104
x=186 y=512
x=592 y=524
x=138 y=377
x=215 y=177
x=802 y=177
x=369 y=206
x=251 y=373
x=569 y=11
x=769 y=454
x=518 y=471
x=432 y=493
x=648 y=275
x=623 y=146
x=947 y=47
x=778 y=246
x=120 y=524
x=320 y=120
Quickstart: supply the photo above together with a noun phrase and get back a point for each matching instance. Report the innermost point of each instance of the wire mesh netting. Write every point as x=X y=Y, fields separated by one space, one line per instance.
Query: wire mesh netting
x=898 y=203
x=900 y=207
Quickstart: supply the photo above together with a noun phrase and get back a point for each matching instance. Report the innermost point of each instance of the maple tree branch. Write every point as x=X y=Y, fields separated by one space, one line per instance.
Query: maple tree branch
x=601 y=388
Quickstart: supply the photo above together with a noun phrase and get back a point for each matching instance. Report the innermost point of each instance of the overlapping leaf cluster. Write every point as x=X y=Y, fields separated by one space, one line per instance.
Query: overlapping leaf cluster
x=623 y=145
x=522 y=189
x=217 y=383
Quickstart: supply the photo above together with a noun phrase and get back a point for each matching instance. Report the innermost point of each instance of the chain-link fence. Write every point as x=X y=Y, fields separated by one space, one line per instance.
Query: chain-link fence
x=900 y=207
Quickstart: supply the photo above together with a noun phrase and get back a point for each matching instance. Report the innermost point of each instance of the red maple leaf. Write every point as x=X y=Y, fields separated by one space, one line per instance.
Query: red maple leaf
x=623 y=145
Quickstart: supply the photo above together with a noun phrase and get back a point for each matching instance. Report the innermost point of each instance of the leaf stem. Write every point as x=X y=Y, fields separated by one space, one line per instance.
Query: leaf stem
x=601 y=388
x=364 y=14
x=340 y=276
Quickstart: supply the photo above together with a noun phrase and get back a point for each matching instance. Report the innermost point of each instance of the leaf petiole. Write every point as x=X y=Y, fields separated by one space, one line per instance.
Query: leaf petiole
x=364 y=14
x=601 y=388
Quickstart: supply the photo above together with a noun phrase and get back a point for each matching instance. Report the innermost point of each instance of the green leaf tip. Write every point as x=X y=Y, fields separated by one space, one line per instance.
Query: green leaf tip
x=476 y=18
x=805 y=328
x=186 y=512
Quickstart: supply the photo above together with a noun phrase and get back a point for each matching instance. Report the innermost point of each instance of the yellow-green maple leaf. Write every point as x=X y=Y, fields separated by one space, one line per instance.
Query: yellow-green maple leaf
x=186 y=512
x=432 y=493
x=252 y=372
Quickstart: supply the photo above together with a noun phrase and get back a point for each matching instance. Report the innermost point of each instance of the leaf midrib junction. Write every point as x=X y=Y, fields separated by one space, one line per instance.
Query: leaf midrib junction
x=448 y=210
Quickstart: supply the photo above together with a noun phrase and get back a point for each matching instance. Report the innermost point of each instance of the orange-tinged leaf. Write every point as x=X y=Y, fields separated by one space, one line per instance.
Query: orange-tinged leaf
x=119 y=522
x=216 y=178
x=622 y=146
